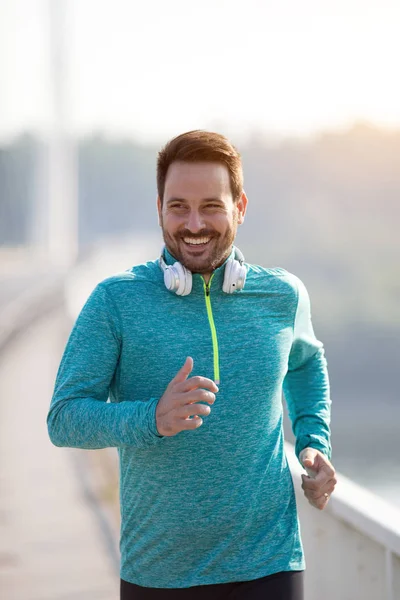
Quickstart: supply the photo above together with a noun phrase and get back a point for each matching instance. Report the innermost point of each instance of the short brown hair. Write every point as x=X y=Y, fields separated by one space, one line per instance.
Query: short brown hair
x=201 y=146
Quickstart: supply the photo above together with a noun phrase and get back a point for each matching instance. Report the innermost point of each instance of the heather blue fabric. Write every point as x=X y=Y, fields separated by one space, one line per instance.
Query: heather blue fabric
x=215 y=504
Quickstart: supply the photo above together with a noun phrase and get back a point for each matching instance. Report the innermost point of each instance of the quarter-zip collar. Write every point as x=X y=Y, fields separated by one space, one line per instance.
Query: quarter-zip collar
x=215 y=283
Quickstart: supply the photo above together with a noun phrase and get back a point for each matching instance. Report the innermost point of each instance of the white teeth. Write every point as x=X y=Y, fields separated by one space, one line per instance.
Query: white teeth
x=196 y=241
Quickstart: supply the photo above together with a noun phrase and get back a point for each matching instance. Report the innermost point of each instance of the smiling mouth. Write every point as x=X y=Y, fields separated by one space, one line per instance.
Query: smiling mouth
x=196 y=243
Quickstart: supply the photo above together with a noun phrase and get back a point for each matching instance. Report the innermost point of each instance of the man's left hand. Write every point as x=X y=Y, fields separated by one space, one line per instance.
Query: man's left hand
x=319 y=486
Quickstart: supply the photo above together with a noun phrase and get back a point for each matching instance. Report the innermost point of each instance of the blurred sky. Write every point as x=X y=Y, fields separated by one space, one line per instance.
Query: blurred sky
x=153 y=69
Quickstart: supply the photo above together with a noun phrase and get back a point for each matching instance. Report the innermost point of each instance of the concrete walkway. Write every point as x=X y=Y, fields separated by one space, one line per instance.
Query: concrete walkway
x=51 y=546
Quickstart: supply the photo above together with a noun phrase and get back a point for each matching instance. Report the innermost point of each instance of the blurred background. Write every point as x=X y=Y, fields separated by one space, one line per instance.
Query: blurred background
x=89 y=92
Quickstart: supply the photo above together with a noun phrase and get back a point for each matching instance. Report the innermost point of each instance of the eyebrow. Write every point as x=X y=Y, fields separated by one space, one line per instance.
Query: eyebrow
x=170 y=200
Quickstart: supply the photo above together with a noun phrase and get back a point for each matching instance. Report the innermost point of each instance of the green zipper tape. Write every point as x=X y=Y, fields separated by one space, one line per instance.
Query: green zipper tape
x=213 y=331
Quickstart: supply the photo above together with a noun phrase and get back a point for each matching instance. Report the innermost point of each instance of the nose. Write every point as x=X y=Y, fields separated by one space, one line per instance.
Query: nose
x=195 y=222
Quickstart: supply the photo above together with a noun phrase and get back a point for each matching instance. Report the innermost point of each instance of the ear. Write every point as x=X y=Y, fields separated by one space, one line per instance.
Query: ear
x=159 y=209
x=242 y=207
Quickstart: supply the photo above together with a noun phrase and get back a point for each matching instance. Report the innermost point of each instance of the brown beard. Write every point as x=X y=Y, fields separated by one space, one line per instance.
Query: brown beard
x=221 y=248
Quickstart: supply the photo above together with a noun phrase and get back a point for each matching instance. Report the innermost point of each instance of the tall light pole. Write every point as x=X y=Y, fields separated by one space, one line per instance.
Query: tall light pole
x=62 y=164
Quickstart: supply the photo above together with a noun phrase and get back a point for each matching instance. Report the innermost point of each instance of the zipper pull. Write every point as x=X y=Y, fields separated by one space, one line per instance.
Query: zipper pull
x=207 y=289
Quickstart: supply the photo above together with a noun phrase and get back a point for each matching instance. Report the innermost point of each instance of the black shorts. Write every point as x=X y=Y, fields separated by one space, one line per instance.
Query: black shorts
x=285 y=585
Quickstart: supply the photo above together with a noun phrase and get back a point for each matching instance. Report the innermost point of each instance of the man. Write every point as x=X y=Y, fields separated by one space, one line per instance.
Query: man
x=194 y=349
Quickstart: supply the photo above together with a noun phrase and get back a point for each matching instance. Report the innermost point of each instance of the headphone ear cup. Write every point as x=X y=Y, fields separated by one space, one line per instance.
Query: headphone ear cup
x=235 y=277
x=241 y=277
x=171 y=278
x=227 y=285
x=185 y=280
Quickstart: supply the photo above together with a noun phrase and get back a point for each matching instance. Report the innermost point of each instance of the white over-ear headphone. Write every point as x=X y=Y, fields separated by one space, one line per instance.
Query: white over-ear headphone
x=178 y=278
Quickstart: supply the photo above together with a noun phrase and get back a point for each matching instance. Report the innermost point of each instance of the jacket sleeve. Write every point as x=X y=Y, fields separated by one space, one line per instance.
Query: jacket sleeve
x=306 y=384
x=79 y=415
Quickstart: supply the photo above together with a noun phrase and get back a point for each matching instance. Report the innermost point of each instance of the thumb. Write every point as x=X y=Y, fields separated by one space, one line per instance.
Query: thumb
x=308 y=459
x=184 y=371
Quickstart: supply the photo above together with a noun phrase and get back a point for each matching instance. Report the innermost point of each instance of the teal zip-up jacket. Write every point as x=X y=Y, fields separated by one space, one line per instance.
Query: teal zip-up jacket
x=215 y=504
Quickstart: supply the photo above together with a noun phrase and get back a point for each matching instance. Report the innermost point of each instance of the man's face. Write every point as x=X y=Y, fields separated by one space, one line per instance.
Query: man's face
x=198 y=217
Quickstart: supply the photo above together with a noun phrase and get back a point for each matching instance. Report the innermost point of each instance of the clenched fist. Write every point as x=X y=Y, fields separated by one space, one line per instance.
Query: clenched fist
x=179 y=401
x=321 y=480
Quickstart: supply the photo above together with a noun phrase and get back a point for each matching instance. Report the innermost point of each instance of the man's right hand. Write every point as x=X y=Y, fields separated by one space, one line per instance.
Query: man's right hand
x=179 y=401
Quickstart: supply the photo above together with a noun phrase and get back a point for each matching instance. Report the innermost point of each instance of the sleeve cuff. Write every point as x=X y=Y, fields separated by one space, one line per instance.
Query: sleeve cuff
x=313 y=441
x=152 y=421
x=141 y=423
